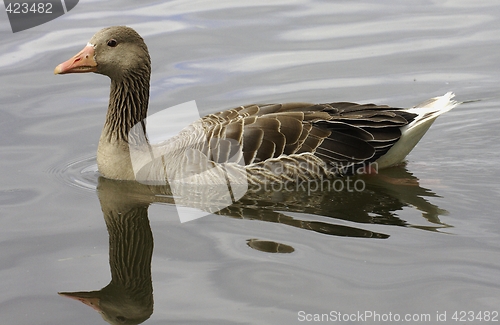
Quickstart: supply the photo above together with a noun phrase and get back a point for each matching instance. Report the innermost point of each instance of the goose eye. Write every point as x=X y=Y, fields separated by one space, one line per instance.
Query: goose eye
x=121 y=319
x=112 y=43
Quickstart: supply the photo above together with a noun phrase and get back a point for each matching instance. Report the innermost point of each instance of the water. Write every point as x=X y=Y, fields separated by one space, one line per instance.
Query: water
x=433 y=243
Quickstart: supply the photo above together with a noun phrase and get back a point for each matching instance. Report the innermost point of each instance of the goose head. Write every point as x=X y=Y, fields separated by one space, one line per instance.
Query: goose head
x=121 y=54
x=118 y=52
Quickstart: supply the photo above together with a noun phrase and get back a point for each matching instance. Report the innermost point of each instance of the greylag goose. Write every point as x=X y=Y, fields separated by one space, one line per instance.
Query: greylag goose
x=271 y=142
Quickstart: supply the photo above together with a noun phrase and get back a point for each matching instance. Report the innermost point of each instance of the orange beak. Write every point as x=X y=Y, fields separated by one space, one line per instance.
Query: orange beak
x=87 y=298
x=82 y=62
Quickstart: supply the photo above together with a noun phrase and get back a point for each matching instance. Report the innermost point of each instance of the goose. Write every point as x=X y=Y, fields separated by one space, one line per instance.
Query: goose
x=258 y=143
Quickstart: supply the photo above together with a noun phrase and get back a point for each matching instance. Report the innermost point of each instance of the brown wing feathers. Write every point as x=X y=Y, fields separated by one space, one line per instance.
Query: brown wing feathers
x=338 y=133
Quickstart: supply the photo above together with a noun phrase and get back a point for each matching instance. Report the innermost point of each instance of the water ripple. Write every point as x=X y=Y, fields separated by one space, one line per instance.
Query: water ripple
x=81 y=173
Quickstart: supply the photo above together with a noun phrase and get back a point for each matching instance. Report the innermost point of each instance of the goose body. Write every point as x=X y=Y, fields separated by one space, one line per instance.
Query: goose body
x=271 y=142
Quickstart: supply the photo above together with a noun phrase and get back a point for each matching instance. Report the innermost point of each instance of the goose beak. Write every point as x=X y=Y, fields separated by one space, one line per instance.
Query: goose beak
x=82 y=62
x=87 y=298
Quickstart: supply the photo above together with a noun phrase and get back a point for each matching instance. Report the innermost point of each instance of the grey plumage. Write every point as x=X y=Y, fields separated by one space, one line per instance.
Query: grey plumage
x=308 y=140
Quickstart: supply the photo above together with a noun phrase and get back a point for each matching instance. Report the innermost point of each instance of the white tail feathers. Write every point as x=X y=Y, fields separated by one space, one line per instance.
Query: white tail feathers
x=426 y=112
x=431 y=109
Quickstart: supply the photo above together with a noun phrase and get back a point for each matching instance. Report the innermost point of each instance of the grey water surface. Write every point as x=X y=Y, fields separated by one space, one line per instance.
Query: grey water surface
x=421 y=240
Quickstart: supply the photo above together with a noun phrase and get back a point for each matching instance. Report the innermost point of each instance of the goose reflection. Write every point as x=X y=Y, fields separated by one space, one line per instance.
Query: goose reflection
x=382 y=197
x=128 y=298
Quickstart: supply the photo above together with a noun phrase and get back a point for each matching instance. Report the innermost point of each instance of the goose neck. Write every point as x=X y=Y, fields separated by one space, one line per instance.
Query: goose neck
x=128 y=105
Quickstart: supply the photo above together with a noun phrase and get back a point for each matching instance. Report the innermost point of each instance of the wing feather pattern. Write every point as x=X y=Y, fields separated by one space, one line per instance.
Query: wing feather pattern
x=340 y=134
